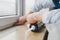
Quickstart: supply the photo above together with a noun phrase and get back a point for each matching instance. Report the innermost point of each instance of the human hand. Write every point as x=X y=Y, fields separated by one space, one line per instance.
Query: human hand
x=34 y=17
x=21 y=20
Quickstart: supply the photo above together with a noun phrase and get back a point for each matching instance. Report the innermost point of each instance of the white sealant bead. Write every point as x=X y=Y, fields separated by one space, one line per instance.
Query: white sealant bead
x=33 y=27
x=28 y=25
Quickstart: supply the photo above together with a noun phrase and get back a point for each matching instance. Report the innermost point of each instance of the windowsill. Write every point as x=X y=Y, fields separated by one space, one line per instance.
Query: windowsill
x=18 y=32
x=9 y=16
x=7 y=21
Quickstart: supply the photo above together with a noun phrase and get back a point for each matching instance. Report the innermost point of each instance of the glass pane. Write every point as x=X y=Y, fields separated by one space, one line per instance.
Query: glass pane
x=7 y=7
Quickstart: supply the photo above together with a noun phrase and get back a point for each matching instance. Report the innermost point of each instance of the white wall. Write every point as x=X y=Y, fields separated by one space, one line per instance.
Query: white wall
x=28 y=5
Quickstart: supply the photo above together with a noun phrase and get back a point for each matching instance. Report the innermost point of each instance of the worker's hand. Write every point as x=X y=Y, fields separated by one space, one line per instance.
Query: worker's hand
x=34 y=17
x=37 y=16
x=21 y=20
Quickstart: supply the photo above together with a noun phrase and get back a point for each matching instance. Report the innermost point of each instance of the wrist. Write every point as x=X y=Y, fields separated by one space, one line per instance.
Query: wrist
x=40 y=18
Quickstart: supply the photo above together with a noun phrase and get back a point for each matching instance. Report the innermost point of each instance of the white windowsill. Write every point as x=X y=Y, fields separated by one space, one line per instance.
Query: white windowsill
x=9 y=16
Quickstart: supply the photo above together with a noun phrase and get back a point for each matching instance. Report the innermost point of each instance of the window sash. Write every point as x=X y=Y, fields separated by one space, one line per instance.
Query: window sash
x=18 y=10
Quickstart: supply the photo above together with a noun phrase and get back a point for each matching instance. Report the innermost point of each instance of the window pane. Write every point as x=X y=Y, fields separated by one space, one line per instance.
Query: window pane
x=7 y=7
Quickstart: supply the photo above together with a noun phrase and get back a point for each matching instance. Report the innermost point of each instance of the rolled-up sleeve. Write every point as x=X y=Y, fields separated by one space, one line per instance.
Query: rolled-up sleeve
x=51 y=17
x=40 y=4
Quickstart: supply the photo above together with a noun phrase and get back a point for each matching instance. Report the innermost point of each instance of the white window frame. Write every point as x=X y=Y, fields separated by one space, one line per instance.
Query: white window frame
x=7 y=21
x=19 y=10
x=19 y=7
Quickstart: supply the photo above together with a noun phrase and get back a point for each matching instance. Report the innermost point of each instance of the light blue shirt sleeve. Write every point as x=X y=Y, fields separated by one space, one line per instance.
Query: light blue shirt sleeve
x=40 y=4
x=37 y=6
x=52 y=17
